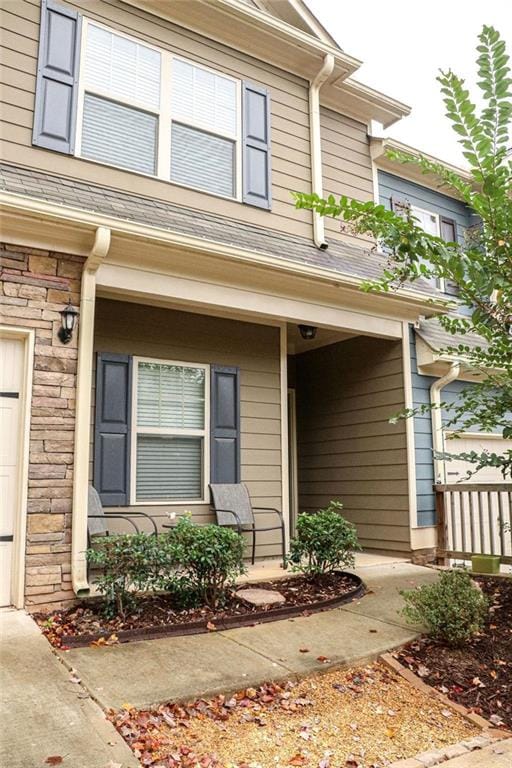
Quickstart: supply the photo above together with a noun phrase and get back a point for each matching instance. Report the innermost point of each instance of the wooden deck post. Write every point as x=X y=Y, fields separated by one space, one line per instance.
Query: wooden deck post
x=442 y=544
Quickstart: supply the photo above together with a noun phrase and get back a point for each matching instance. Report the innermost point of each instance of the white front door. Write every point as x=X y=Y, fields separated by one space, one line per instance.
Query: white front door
x=11 y=372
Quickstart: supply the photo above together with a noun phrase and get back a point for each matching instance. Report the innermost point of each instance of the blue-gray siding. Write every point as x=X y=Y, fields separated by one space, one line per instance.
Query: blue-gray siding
x=391 y=186
x=422 y=442
x=423 y=435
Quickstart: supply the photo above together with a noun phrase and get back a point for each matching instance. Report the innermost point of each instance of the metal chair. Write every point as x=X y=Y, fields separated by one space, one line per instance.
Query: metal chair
x=97 y=520
x=232 y=506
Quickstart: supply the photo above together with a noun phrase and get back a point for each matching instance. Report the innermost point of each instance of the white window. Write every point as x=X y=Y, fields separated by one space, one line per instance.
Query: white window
x=204 y=107
x=169 y=432
x=143 y=109
x=429 y=222
x=120 y=101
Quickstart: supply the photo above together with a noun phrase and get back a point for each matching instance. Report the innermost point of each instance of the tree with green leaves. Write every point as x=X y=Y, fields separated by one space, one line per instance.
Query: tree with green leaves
x=480 y=267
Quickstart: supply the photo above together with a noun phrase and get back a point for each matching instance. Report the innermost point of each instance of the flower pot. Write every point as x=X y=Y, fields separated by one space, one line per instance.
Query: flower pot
x=485 y=564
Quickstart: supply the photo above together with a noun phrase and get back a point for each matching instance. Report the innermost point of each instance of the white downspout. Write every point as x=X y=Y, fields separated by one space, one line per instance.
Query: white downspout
x=437 y=420
x=97 y=254
x=316 y=145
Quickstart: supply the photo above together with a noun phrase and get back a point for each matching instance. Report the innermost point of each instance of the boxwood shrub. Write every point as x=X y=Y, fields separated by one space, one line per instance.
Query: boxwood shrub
x=324 y=542
x=196 y=565
x=453 y=609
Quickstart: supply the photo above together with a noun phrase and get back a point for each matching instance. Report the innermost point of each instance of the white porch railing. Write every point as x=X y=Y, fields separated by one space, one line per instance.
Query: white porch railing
x=474 y=518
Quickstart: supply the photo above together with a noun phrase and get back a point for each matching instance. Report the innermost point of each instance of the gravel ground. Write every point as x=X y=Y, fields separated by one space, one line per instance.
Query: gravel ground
x=363 y=717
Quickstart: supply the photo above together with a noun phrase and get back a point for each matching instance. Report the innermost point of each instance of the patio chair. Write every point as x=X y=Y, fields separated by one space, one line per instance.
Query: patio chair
x=97 y=520
x=232 y=506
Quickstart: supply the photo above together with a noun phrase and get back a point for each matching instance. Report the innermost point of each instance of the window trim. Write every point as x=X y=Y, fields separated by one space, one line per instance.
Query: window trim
x=163 y=114
x=135 y=430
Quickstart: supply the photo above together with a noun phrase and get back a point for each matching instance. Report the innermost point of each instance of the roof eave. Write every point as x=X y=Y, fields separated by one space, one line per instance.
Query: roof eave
x=379 y=147
x=20 y=205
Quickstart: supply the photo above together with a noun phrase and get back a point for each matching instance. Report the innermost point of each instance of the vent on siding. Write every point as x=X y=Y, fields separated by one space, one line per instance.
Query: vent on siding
x=119 y=135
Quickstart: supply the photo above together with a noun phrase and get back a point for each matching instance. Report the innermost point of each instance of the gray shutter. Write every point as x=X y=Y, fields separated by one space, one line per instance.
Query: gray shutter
x=112 y=428
x=225 y=425
x=57 y=78
x=257 y=182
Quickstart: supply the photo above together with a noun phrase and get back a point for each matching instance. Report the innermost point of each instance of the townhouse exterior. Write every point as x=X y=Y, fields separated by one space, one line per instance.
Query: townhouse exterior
x=149 y=152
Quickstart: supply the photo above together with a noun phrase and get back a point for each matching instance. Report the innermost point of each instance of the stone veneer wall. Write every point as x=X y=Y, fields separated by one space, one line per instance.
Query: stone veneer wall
x=34 y=287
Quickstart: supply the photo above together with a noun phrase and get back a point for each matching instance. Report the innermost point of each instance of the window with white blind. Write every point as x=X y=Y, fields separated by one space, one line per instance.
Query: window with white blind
x=169 y=433
x=146 y=110
x=204 y=132
x=121 y=101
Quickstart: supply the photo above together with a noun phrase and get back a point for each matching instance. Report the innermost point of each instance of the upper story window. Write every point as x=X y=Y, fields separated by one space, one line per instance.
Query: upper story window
x=439 y=226
x=148 y=111
x=205 y=114
x=108 y=97
x=120 y=101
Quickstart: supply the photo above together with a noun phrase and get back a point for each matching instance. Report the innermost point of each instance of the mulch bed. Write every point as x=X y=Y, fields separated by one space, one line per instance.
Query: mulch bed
x=479 y=675
x=157 y=616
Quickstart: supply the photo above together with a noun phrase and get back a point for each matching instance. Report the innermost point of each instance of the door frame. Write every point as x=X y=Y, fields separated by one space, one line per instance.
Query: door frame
x=27 y=336
x=293 y=459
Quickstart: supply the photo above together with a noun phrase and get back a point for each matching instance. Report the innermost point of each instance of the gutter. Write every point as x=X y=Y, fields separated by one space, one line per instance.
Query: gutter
x=437 y=419
x=96 y=256
x=316 y=147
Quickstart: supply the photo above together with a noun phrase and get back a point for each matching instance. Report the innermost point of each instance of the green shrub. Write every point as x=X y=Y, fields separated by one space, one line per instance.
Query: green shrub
x=195 y=564
x=208 y=559
x=453 y=609
x=324 y=542
x=128 y=563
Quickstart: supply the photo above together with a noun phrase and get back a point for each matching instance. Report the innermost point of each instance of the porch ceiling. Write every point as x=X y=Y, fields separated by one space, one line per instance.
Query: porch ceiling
x=324 y=336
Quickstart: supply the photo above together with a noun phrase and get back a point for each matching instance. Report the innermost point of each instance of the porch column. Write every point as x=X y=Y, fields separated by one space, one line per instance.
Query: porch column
x=83 y=410
x=285 y=488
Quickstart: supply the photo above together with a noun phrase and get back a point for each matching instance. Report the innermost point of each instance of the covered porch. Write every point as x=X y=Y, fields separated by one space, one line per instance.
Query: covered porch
x=312 y=420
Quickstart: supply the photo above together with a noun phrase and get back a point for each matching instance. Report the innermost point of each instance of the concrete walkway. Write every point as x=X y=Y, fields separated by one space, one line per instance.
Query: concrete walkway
x=153 y=671
x=497 y=755
x=42 y=713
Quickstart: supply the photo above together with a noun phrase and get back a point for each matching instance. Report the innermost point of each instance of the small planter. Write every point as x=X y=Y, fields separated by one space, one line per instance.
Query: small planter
x=489 y=564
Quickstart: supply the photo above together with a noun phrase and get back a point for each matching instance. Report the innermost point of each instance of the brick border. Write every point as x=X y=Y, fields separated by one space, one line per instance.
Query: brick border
x=435 y=757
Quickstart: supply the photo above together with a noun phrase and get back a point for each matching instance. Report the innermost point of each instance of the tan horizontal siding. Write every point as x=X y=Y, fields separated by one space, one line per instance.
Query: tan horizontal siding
x=347 y=448
x=347 y=167
x=165 y=334
x=290 y=133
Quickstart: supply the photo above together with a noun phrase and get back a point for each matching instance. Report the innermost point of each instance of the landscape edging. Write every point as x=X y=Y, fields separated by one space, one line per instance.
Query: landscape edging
x=232 y=622
x=490 y=735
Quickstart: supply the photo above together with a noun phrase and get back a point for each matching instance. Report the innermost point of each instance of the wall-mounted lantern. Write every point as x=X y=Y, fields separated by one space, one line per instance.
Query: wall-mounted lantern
x=308 y=332
x=69 y=317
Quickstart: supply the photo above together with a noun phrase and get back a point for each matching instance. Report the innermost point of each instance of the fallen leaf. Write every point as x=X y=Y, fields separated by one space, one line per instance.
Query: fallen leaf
x=298 y=759
x=496 y=720
x=446 y=713
x=322 y=659
x=74 y=679
x=423 y=671
x=391 y=733
x=211 y=626
x=54 y=760
x=304 y=650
